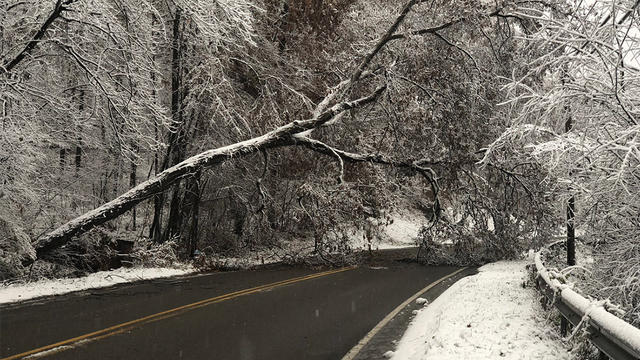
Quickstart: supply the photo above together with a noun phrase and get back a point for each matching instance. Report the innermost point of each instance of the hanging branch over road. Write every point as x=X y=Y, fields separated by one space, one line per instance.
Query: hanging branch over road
x=380 y=159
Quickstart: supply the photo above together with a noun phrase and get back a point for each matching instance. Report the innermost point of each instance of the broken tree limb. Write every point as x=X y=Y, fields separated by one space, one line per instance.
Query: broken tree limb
x=282 y=136
x=417 y=166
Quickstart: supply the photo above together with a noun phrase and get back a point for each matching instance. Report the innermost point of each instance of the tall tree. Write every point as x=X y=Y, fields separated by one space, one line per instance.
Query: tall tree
x=587 y=71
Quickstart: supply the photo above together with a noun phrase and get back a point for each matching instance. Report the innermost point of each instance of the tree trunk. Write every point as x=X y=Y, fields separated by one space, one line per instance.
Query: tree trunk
x=571 y=205
x=132 y=183
x=193 y=197
x=78 y=157
x=63 y=154
x=174 y=221
x=155 y=231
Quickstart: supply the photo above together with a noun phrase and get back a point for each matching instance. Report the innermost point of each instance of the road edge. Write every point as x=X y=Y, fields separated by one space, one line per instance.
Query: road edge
x=351 y=355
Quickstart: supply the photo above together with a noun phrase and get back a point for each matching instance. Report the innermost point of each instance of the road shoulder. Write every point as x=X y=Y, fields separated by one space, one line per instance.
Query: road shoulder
x=387 y=338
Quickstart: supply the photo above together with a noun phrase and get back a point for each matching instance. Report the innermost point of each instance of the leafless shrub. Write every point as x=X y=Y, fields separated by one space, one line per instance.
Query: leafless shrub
x=152 y=254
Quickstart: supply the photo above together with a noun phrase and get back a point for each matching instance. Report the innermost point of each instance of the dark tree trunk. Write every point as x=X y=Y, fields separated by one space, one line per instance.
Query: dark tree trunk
x=63 y=155
x=571 y=207
x=282 y=28
x=571 y=232
x=132 y=183
x=155 y=231
x=193 y=196
x=174 y=221
x=78 y=155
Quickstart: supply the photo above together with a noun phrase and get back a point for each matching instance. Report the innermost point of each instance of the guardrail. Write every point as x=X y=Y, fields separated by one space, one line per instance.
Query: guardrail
x=614 y=337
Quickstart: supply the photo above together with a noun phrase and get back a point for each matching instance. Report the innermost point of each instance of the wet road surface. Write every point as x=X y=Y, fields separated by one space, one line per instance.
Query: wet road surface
x=312 y=318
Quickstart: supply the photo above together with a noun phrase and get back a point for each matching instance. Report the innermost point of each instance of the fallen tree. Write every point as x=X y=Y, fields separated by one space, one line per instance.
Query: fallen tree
x=296 y=133
x=281 y=136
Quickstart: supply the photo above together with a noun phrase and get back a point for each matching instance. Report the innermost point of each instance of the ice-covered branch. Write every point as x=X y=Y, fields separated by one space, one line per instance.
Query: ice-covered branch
x=60 y=6
x=428 y=173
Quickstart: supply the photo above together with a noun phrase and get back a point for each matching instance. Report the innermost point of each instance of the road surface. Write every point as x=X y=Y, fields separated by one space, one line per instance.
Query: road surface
x=280 y=313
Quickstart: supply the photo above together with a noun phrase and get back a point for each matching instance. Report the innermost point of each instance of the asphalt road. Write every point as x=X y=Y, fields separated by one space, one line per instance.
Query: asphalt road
x=319 y=317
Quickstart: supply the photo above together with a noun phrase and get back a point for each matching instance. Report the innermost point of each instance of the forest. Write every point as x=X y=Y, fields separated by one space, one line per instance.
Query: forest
x=240 y=128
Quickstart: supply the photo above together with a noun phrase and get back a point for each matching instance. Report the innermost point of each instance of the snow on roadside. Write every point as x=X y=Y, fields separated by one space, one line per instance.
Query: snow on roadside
x=20 y=292
x=486 y=316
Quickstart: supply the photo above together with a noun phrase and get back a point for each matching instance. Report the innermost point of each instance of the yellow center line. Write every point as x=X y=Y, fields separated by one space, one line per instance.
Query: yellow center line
x=116 y=329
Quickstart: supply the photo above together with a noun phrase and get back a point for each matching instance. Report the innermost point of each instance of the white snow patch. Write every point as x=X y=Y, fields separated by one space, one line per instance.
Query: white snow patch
x=486 y=316
x=20 y=292
x=388 y=354
x=421 y=301
x=401 y=233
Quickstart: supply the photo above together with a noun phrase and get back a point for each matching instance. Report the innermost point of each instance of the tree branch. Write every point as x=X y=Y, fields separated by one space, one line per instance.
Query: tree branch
x=431 y=30
x=388 y=35
x=426 y=172
x=57 y=10
x=475 y=64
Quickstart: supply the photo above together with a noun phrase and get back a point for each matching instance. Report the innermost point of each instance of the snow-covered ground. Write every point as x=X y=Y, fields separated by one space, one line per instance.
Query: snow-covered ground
x=20 y=292
x=486 y=316
x=402 y=232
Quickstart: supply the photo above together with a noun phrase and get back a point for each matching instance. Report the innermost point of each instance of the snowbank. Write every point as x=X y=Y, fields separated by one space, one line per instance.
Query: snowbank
x=487 y=316
x=19 y=292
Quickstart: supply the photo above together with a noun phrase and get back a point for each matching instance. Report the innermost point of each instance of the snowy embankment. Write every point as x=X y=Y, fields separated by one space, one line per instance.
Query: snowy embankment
x=20 y=292
x=486 y=316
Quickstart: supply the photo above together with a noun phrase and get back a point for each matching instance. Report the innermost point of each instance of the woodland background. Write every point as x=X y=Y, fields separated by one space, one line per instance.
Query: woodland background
x=487 y=117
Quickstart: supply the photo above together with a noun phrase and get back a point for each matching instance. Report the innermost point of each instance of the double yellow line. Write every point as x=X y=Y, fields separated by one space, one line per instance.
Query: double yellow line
x=120 y=328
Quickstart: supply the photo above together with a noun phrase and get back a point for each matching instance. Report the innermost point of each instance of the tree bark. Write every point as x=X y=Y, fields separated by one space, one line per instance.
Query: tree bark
x=63 y=161
x=192 y=197
x=571 y=205
x=133 y=179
